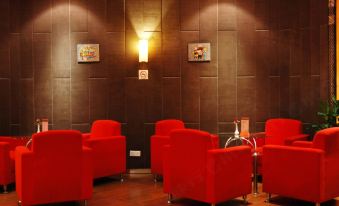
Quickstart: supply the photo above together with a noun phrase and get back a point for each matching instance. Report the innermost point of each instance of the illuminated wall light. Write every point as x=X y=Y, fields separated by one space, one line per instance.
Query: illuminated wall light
x=143 y=50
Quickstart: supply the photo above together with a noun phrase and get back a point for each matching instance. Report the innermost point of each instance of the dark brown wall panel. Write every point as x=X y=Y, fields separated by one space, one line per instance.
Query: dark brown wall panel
x=15 y=13
x=5 y=16
x=116 y=101
x=132 y=58
x=115 y=55
x=262 y=14
x=98 y=99
x=274 y=95
x=171 y=98
x=246 y=38
x=42 y=50
x=15 y=78
x=227 y=15
x=78 y=15
x=61 y=39
x=208 y=33
x=85 y=127
x=189 y=17
x=61 y=103
x=5 y=107
x=315 y=50
x=284 y=69
x=246 y=99
x=96 y=35
x=79 y=83
x=5 y=56
x=152 y=15
x=26 y=53
x=294 y=98
x=262 y=75
x=304 y=11
x=42 y=16
x=209 y=104
x=324 y=77
x=190 y=81
x=171 y=53
x=42 y=75
x=227 y=67
x=153 y=101
x=170 y=15
x=115 y=19
x=135 y=116
x=27 y=117
x=314 y=104
x=134 y=16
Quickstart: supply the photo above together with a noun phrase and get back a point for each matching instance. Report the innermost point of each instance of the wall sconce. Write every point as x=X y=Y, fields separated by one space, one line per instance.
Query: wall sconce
x=143 y=50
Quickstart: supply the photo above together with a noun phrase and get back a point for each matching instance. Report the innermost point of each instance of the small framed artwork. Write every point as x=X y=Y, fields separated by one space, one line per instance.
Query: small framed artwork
x=143 y=74
x=88 y=53
x=199 y=52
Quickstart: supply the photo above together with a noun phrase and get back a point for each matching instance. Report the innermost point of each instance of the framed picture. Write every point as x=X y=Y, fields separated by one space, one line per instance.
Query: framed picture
x=88 y=53
x=199 y=52
x=143 y=74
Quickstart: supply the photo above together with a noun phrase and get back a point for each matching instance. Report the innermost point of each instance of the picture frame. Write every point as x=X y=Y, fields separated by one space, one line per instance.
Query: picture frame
x=199 y=52
x=88 y=53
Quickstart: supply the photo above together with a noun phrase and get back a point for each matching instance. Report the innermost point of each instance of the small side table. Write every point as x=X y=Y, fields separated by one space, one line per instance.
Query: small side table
x=254 y=155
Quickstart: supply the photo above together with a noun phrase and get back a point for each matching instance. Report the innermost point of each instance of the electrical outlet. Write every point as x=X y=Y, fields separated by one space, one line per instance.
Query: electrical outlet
x=134 y=153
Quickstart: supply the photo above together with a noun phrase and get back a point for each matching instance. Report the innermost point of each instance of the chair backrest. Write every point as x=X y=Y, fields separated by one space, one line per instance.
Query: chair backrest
x=327 y=140
x=10 y=140
x=104 y=128
x=188 y=159
x=164 y=127
x=57 y=164
x=278 y=129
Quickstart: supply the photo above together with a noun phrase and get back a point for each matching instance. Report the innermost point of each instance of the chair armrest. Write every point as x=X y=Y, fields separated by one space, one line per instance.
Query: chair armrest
x=304 y=167
x=259 y=138
x=226 y=168
x=24 y=174
x=291 y=139
x=5 y=169
x=86 y=136
x=305 y=144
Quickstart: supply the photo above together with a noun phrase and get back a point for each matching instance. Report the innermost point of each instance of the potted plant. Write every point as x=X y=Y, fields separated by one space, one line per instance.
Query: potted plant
x=328 y=115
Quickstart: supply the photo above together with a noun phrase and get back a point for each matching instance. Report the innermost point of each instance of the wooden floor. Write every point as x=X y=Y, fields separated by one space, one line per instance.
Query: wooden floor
x=139 y=189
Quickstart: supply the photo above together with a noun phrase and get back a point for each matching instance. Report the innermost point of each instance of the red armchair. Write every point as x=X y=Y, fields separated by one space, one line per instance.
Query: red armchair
x=109 y=148
x=281 y=132
x=278 y=131
x=159 y=140
x=194 y=168
x=7 y=171
x=306 y=170
x=56 y=169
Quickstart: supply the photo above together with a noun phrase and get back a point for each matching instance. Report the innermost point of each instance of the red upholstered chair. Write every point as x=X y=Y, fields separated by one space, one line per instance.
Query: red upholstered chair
x=7 y=171
x=109 y=148
x=279 y=131
x=56 y=169
x=282 y=132
x=194 y=168
x=7 y=174
x=159 y=140
x=306 y=170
